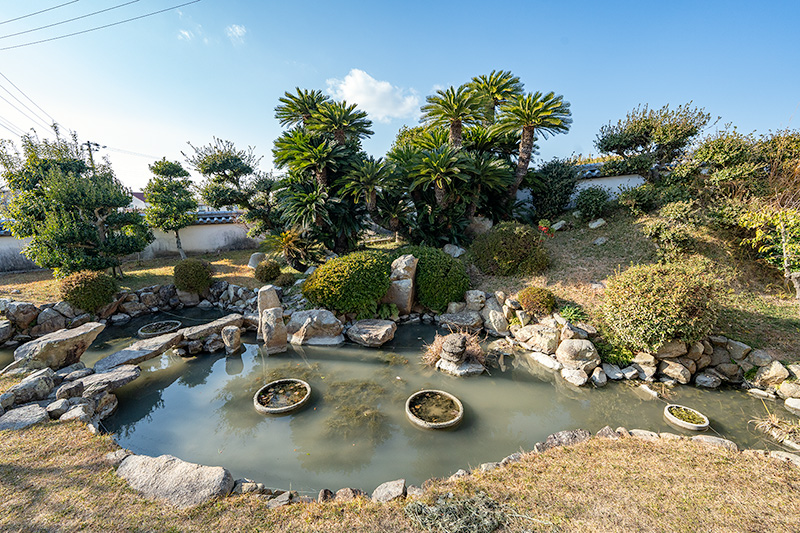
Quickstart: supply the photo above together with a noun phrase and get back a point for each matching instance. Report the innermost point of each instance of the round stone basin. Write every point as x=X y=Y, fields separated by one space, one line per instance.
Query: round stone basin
x=154 y=329
x=434 y=409
x=282 y=396
x=685 y=417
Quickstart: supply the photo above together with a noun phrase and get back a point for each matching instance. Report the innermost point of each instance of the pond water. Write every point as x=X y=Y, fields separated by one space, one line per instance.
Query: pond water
x=353 y=432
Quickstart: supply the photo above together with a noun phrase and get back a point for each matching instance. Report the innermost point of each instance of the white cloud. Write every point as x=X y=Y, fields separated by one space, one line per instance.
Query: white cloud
x=236 y=33
x=382 y=100
x=185 y=35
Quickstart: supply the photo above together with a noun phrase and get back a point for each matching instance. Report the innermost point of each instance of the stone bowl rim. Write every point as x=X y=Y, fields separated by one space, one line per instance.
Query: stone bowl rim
x=175 y=326
x=414 y=419
x=285 y=409
x=674 y=420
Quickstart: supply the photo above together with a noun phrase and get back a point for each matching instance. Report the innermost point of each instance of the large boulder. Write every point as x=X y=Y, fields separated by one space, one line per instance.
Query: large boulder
x=273 y=330
x=59 y=349
x=494 y=318
x=37 y=386
x=23 y=417
x=232 y=338
x=206 y=330
x=772 y=374
x=139 y=351
x=402 y=289
x=372 y=333
x=48 y=321
x=539 y=338
x=391 y=490
x=176 y=482
x=564 y=438
x=671 y=350
x=21 y=314
x=580 y=354
x=314 y=326
x=470 y=320
x=267 y=299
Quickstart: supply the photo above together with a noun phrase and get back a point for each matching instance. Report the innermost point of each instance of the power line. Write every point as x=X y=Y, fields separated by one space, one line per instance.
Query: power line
x=128 y=152
x=20 y=103
x=68 y=20
x=4 y=121
x=21 y=112
x=42 y=11
x=28 y=97
x=99 y=27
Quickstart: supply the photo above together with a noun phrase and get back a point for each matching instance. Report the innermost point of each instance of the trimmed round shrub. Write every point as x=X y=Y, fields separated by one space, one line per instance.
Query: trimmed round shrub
x=284 y=279
x=350 y=284
x=88 y=290
x=648 y=305
x=267 y=270
x=592 y=202
x=510 y=248
x=536 y=301
x=193 y=275
x=440 y=278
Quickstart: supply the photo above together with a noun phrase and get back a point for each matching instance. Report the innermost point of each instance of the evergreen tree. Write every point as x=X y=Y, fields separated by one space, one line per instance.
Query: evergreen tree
x=170 y=199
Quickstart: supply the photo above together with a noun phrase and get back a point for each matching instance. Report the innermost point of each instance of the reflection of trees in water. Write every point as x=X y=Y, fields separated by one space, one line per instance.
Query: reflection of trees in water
x=197 y=369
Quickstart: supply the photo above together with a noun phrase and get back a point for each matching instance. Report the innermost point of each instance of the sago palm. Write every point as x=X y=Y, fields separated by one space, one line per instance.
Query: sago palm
x=340 y=120
x=497 y=88
x=364 y=181
x=296 y=109
x=440 y=168
x=453 y=108
x=532 y=114
x=485 y=174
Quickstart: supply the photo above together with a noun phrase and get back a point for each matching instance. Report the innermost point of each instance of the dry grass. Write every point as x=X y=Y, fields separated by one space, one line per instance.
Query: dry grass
x=53 y=478
x=432 y=352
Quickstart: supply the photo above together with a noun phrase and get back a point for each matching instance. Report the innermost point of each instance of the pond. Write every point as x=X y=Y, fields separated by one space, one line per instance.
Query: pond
x=353 y=432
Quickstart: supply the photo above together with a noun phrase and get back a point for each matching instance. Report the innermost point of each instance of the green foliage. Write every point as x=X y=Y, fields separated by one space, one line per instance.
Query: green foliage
x=556 y=180
x=267 y=270
x=536 y=301
x=648 y=305
x=592 y=202
x=72 y=210
x=440 y=279
x=614 y=354
x=386 y=311
x=647 y=137
x=672 y=238
x=648 y=197
x=573 y=313
x=193 y=275
x=510 y=248
x=170 y=197
x=680 y=211
x=284 y=279
x=350 y=284
x=88 y=290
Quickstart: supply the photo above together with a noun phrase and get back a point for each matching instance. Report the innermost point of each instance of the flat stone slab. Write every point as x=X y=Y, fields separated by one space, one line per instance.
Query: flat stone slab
x=391 y=490
x=546 y=361
x=109 y=381
x=139 y=351
x=204 y=330
x=58 y=349
x=465 y=320
x=174 y=481
x=24 y=416
x=719 y=442
x=460 y=370
x=372 y=333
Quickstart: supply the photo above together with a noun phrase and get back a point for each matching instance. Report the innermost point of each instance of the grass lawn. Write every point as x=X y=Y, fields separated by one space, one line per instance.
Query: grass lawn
x=53 y=478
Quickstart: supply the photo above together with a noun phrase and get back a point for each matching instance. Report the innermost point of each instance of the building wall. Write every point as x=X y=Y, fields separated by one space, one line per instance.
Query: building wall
x=200 y=239
x=11 y=258
x=612 y=184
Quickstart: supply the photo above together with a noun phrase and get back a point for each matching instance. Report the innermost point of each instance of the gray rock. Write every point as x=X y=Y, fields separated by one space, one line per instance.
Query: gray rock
x=475 y=300
x=372 y=333
x=568 y=331
x=402 y=289
x=579 y=354
x=523 y=316
x=404 y=267
x=696 y=350
x=645 y=359
x=515 y=457
x=188 y=299
x=78 y=374
x=134 y=309
x=325 y=495
x=255 y=259
x=646 y=393
x=316 y=327
x=70 y=389
x=391 y=490
x=205 y=330
x=116 y=457
x=540 y=338
x=453 y=251
x=644 y=434
x=488 y=467
x=613 y=372
x=24 y=416
x=267 y=299
x=558 y=226
x=731 y=372
x=718 y=442
x=456 y=307
x=21 y=314
x=7 y=330
x=177 y=482
x=794 y=370
x=565 y=438
x=493 y=317
x=347 y=494
x=599 y=377
x=630 y=372
x=109 y=381
x=547 y=361
x=454 y=346
x=597 y=223
x=607 y=433
x=139 y=351
x=59 y=349
x=600 y=241
x=738 y=350
x=67 y=370
x=58 y=408
x=789 y=389
x=36 y=386
x=772 y=374
x=671 y=350
x=720 y=356
x=707 y=381
x=273 y=329
x=120 y=319
x=48 y=321
x=646 y=373
x=80 y=320
x=81 y=412
x=213 y=343
x=66 y=309
x=106 y=405
x=470 y=320
x=792 y=405
x=463 y=369
x=675 y=371
x=231 y=338
x=574 y=376
x=281 y=500
x=759 y=358
x=414 y=492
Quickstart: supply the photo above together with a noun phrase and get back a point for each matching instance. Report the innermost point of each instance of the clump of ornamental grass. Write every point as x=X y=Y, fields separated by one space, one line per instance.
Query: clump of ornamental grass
x=433 y=351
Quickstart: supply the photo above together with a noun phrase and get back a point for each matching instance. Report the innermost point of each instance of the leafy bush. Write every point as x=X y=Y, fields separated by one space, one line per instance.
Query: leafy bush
x=647 y=305
x=352 y=283
x=672 y=238
x=88 y=289
x=639 y=200
x=284 y=280
x=556 y=184
x=592 y=202
x=613 y=353
x=440 y=279
x=510 y=248
x=267 y=270
x=536 y=301
x=681 y=211
x=638 y=164
x=193 y=275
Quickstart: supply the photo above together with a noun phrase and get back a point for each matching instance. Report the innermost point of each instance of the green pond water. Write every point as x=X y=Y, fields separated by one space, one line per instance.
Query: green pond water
x=353 y=432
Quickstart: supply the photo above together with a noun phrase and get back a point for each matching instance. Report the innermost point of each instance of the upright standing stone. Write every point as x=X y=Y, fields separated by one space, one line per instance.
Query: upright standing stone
x=232 y=338
x=267 y=299
x=274 y=330
x=401 y=291
x=255 y=259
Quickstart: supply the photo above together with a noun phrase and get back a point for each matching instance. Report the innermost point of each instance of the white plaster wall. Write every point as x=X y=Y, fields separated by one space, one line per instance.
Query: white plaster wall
x=201 y=238
x=612 y=184
x=11 y=257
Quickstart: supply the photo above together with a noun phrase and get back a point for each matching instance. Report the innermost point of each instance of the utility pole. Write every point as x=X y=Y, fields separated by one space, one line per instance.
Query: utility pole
x=92 y=147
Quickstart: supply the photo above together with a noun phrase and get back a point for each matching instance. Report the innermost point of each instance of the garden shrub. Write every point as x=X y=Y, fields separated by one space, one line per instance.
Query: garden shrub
x=193 y=275
x=510 y=248
x=352 y=283
x=680 y=211
x=671 y=238
x=592 y=202
x=639 y=200
x=440 y=278
x=284 y=279
x=556 y=180
x=536 y=301
x=267 y=270
x=88 y=290
x=648 y=305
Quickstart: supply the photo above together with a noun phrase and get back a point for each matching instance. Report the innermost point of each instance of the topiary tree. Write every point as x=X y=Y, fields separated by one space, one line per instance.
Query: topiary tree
x=536 y=301
x=193 y=275
x=510 y=248
x=350 y=284
x=171 y=202
x=88 y=290
x=267 y=270
x=648 y=305
x=440 y=278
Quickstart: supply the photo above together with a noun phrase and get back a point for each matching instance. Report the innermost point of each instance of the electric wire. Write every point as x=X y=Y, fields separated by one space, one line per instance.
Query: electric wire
x=4 y=121
x=28 y=97
x=68 y=20
x=21 y=112
x=99 y=27
x=129 y=152
x=38 y=12
x=12 y=95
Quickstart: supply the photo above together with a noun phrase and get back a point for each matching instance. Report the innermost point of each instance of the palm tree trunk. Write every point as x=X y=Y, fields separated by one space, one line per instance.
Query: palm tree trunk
x=178 y=244
x=339 y=137
x=455 y=134
x=439 y=193
x=322 y=177
x=523 y=160
x=372 y=198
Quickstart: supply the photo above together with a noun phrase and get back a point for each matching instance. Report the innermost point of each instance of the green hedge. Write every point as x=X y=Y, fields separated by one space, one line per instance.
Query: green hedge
x=440 y=278
x=193 y=275
x=510 y=248
x=350 y=284
x=88 y=290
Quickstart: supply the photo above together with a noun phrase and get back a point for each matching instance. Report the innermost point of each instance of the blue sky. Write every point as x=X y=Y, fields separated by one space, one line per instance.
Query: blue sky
x=218 y=67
